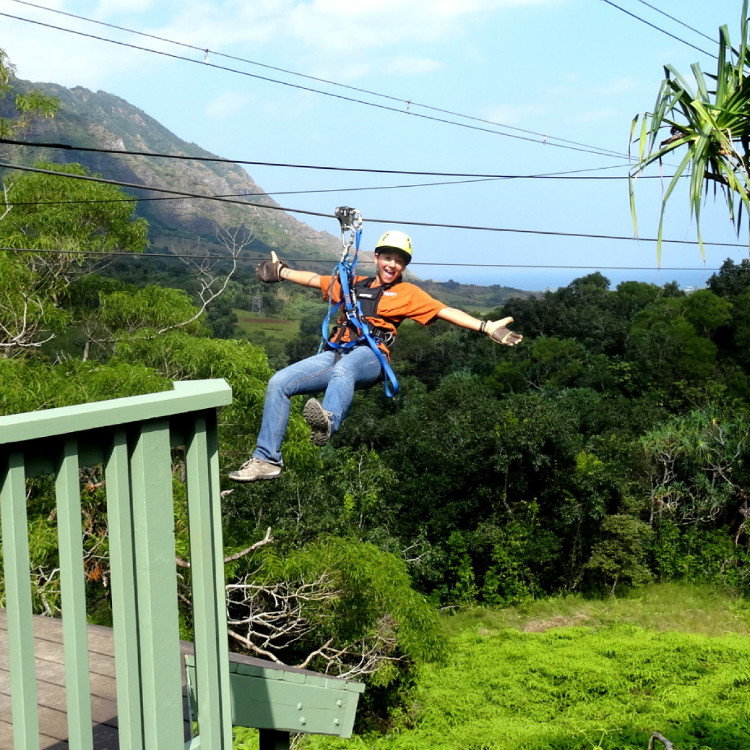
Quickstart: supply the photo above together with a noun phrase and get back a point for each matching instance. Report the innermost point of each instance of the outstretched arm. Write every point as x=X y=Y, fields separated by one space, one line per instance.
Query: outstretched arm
x=497 y=330
x=303 y=278
x=271 y=271
x=460 y=318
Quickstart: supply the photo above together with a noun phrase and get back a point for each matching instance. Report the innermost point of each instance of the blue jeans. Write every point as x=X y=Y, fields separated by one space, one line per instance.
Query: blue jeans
x=358 y=367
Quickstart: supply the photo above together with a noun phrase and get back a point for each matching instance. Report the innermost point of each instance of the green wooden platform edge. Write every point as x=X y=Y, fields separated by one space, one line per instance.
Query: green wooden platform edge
x=186 y=396
x=286 y=699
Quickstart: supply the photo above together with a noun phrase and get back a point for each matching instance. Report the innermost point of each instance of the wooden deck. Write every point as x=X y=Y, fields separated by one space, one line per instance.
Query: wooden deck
x=53 y=728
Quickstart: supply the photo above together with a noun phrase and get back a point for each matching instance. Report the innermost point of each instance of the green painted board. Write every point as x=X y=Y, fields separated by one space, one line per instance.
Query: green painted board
x=187 y=396
x=288 y=700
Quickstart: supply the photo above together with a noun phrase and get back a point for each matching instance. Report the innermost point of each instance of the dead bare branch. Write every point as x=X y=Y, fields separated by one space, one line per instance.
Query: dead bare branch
x=235 y=240
x=267 y=539
x=656 y=736
x=247 y=643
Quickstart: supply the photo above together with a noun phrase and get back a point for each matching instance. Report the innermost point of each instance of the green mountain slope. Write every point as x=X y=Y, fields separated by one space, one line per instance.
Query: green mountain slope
x=104 y=121
x=99 y=120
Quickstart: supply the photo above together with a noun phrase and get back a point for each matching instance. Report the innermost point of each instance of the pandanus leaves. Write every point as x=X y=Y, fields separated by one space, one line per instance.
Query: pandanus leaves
x=710 y=118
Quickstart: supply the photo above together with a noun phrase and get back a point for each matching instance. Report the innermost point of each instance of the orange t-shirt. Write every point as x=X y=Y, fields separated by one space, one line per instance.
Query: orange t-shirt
x=397 y=303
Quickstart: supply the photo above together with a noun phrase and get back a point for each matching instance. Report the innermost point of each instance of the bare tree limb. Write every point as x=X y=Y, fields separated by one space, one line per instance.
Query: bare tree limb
x=267 y=539
x=235 y=241
x=8 y=206
x=249 y=644
x=656 y=736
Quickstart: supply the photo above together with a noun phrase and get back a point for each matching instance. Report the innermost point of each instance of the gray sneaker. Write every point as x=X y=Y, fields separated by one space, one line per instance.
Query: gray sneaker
x=254 y=469
x=319 y=420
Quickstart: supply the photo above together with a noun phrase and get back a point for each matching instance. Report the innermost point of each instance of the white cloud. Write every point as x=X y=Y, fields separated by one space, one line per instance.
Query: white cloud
x=109 y=8
x=339 y=25
x=413 y=65
x=513 y=115
x=45 y=47
x=227 y=104
x=617 y=87
x=328 y=34
x=581 y=86
x=335 y=39
x=594 y=115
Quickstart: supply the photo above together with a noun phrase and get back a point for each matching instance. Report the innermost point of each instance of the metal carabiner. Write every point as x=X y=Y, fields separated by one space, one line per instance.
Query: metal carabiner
x=351 y=224
x=349 y=218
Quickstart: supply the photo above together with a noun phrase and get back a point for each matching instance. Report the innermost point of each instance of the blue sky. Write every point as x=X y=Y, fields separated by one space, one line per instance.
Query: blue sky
x=559 y=77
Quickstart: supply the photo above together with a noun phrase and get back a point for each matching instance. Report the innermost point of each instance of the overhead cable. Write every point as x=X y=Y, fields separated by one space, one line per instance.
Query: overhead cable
x=135 y=199
x=538 y=138
x=292 y=261
x=671 y=18
x=406 y=222
x=318 y=191
x=407 y=102
x=325 y=168
x=658 y=28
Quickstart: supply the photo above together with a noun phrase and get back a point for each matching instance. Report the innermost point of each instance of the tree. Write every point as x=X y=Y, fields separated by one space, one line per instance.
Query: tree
x=732 y=279
x=211 y=283
x=707 y=311
x=222 y=319
x=666 y=345
x=696 y=468
x=56 y=229
x=32 y=384
x=741 y=329
x=620 y=553
x=632 y=296
x=584 y=310
x=337 y=605
x=156 y=308
x=27 y=107
x=714 y=126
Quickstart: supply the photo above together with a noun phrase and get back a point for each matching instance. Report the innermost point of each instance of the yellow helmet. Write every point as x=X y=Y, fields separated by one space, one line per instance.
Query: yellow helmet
x=394 y=240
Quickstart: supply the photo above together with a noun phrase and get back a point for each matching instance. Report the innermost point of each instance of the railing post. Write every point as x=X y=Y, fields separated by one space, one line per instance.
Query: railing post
x=18 y=602
x=133 y=438
x=156 y=588
x=207 y=576
x=73 y=591
x=124 y=605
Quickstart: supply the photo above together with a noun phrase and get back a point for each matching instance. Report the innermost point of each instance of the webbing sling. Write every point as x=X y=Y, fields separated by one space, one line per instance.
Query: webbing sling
x=344 y=272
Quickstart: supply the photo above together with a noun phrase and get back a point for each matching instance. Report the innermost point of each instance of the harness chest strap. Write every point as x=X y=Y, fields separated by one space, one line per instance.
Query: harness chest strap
x=368 y=298
x=356 y=322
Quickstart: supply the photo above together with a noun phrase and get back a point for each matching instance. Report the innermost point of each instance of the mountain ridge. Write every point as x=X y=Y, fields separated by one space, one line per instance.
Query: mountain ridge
x=105 y=121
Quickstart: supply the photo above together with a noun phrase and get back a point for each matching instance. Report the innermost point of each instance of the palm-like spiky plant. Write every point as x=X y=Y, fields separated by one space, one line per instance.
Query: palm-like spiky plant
x=712 y=119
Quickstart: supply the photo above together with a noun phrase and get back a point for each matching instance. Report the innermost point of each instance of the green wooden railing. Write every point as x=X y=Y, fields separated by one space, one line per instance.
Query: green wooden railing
x=133 y=439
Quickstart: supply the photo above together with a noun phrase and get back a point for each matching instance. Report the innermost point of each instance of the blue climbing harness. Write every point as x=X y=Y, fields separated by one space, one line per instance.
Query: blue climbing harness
x=351 y=233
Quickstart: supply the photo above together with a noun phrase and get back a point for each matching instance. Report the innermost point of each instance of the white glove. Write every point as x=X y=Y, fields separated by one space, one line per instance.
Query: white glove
x=498 y=331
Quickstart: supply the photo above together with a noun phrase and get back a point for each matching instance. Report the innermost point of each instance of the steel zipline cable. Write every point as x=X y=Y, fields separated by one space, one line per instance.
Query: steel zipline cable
x=319 y=167
x=470 y=178
x=209 y=52
x=671 y=18
x=291 y=261
x=538 y=138
x=663 y=31
x=404 y=222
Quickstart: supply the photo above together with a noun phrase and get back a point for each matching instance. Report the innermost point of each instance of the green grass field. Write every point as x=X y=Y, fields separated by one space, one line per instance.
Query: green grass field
x=278 y=328
x=572 y=674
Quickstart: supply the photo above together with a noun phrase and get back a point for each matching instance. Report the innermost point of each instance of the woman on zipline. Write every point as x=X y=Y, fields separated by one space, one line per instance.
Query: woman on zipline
x=357 y=353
